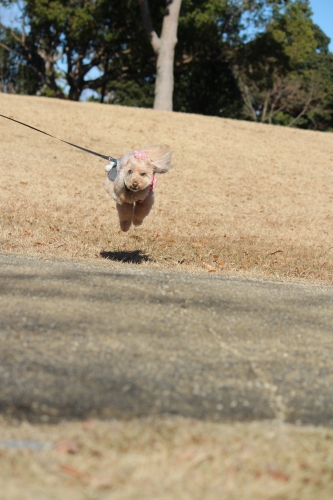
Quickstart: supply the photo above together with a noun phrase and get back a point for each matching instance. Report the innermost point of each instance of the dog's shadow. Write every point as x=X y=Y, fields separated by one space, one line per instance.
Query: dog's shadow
x=134 y=257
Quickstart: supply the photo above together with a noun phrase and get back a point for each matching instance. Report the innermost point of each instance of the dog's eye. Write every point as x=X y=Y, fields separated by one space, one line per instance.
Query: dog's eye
x=143 y=174
x=130 y=172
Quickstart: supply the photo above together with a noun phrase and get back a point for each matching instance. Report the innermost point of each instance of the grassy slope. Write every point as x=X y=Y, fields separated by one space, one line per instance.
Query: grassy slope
x=241 y=198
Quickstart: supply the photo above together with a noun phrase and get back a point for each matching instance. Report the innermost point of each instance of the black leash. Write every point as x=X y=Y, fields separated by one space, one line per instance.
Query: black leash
x=113 y=161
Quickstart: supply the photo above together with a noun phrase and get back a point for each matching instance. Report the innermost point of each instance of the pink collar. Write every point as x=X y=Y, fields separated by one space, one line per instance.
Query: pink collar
x=152 y=185
x=151 y=189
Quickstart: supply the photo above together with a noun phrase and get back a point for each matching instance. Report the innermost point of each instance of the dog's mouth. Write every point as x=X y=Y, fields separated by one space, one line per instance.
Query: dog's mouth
x=136 y=186
x=131 y=187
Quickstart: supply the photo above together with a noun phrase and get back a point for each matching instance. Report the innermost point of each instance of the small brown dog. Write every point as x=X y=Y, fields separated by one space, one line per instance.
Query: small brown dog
x=133 y=188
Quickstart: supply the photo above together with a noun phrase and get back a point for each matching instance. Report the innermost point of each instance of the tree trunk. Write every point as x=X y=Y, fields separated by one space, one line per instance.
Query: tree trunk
x=164 y=48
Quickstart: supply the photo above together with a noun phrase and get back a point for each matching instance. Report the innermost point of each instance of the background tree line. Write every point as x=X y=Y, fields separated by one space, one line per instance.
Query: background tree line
x=261 y=60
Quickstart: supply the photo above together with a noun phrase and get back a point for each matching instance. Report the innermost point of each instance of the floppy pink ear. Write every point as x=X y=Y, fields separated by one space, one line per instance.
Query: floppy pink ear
x=160 y=157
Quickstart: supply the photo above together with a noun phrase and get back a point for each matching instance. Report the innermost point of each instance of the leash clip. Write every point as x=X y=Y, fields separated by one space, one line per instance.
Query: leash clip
x=111 y=169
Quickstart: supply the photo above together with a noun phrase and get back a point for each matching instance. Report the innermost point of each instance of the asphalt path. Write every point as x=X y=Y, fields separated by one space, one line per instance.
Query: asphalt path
x=79 y=340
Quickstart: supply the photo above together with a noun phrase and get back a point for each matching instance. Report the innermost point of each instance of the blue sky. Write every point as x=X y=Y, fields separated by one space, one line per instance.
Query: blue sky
x=323 y=16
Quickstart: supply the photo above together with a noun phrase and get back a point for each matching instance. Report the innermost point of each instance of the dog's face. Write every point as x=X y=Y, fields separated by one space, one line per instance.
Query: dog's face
x=138 y=173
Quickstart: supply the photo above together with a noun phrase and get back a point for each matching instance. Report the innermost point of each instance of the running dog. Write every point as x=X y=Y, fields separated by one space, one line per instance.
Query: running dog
x=133 y=187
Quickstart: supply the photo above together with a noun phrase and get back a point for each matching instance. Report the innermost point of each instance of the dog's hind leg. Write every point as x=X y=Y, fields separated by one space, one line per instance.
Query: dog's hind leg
x=125 y=213
x=142 y=209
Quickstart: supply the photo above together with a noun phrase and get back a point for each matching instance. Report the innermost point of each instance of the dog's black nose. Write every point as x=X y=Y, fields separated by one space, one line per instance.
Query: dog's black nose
x=135 y=185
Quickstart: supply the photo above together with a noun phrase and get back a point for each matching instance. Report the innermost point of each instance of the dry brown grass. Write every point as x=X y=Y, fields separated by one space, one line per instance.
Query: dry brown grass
x=241 y=198
x=168 y=459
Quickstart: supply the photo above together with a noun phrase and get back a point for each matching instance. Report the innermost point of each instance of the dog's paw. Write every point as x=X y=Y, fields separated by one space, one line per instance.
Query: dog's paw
x=125 y=225
x=137 y=222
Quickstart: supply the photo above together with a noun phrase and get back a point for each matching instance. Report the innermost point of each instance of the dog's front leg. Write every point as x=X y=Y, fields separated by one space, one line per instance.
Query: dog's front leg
x=142 y=209
x=125 y=213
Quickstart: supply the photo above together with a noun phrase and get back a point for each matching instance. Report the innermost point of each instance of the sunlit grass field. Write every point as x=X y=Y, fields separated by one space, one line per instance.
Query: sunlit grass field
x=241 y=198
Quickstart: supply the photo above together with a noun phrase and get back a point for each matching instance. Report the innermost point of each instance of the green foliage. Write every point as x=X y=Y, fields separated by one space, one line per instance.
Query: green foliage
x=81 y=34
x=47 y=92
x=285 y=73
x=255 y=59
x=131 y=93
x=207 y=87
x=204 y=81
x=293 y=31
x=15 y=77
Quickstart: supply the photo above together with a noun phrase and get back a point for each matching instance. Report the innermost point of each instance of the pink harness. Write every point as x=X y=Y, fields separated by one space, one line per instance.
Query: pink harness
x=151 y=189
x=152 y=185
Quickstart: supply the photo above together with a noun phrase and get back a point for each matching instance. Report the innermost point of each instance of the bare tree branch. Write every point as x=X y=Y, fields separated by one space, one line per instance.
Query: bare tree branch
x=12 y=51
x=246 y=94
x=148 y=25
x=305 y=108
x=264 y=111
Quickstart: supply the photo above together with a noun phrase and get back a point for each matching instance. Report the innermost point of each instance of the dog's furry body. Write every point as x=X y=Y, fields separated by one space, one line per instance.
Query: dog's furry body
x=133 y=186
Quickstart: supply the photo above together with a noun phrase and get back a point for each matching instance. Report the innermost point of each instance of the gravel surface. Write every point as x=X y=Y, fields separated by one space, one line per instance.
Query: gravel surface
x=81 y=340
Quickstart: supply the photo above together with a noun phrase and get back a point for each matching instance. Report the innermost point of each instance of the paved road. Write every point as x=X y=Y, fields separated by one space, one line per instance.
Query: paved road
x=81 y=340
